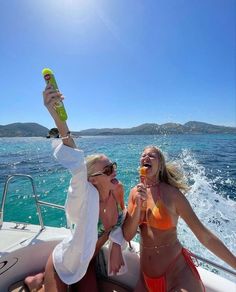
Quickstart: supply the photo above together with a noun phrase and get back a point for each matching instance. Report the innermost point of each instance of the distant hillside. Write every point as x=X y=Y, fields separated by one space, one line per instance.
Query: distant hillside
x=23 y=130
x=36 y=130
x=168 y=128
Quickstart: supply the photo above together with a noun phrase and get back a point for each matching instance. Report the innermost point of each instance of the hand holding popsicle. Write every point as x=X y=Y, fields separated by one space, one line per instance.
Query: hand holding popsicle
x=142 y=175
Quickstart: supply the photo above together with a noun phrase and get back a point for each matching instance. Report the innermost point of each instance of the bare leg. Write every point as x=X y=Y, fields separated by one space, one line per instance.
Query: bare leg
x=187 y=282
x=34 y=283
x=140 y=286
x=181 y=278
x=52 y=282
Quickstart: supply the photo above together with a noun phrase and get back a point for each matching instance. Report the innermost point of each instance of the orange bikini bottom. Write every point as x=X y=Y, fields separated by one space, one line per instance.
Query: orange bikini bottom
x=159 y=284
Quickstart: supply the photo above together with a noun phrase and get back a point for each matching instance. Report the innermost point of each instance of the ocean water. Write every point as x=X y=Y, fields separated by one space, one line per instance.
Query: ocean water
x=209 y=163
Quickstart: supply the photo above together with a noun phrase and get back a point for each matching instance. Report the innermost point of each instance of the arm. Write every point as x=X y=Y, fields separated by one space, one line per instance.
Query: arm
x=132 y=219
x=116 y=259
x=70 y=157
x=50 y=98
x=119 y=194
x=205 y=236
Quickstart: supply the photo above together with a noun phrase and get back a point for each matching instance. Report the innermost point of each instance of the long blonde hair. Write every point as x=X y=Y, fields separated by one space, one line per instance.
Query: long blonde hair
x=169 y=172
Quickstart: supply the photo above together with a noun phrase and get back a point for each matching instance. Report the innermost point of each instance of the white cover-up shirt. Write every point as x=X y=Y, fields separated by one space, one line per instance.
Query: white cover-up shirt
x=72 y=256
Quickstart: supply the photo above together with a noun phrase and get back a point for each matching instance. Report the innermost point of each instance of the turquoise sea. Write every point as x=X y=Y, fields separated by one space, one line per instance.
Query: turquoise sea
x=209 y=163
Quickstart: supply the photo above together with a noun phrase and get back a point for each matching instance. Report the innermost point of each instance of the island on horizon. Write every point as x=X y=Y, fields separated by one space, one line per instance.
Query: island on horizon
x=192 y=127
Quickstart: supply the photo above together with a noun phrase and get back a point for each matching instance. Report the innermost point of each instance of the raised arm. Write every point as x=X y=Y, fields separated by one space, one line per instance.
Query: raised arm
x=133 y=215
x=204 y=235
x=51 y=97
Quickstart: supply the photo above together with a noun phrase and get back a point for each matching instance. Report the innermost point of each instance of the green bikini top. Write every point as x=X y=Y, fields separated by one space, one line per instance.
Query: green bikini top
x=120 y=219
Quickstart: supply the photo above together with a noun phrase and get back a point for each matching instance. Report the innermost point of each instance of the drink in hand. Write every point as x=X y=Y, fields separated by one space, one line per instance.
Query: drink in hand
x=50 y=79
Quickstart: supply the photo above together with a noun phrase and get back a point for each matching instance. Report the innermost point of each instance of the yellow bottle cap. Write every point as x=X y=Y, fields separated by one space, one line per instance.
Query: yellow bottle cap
x=46 y=71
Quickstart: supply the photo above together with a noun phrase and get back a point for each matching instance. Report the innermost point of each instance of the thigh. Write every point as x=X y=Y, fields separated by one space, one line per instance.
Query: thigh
x=52 y=282
x=140 y=286
x=184 y=280
x=89 y=281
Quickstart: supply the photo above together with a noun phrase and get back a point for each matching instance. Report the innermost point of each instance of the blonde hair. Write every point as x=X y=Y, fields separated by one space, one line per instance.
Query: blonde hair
x=91 y=160
x=169 y=172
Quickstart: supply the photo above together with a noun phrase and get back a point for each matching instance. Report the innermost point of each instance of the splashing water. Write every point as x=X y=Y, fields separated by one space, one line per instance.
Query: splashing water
x=215 y=211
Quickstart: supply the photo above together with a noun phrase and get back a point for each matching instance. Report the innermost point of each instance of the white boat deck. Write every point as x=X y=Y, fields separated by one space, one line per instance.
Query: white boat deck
x=23 y=235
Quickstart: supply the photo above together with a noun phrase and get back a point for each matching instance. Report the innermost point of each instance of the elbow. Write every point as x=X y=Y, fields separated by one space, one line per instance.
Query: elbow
x=127 y=234
x=206 y=239
x=128 y=237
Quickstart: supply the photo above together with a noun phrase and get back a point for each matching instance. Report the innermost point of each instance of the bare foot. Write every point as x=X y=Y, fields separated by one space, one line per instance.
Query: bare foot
x=34 y=283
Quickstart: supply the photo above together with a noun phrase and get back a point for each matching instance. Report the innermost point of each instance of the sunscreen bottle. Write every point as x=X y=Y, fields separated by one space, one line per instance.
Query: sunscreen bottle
x=50 y=79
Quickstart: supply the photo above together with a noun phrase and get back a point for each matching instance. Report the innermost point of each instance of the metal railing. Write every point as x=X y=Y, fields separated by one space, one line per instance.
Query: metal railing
x=214 y=264
x=37 y=201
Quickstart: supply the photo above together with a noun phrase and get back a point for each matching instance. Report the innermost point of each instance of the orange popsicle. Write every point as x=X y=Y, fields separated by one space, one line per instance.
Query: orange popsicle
x=143 y=171
x=143 y=174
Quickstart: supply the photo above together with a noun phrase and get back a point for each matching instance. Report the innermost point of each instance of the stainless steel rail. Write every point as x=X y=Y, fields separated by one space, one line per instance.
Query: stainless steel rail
x=215 y=265
x=37 y=202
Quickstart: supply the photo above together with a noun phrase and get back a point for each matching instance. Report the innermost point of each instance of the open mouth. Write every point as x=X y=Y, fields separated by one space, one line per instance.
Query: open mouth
x=114 y=181
x=147 y=165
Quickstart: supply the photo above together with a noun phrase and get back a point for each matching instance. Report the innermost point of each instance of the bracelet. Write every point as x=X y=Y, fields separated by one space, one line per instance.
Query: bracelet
x=66 y=137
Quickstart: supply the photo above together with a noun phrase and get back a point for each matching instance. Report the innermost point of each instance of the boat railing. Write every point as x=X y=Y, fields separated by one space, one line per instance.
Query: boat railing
x=38 y=203
x=214 y=264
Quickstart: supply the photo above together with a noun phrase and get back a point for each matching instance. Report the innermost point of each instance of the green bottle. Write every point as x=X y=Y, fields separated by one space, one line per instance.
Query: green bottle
x=50 y=79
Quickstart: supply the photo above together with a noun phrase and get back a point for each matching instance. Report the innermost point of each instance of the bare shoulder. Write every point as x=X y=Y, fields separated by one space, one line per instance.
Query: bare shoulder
x=179 y=201
x=119 y=194
x=170 y=191
x=119 y=190
x=172 y=196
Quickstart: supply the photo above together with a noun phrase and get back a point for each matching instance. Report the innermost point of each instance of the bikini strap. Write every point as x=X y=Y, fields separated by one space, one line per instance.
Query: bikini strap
x=174 y=261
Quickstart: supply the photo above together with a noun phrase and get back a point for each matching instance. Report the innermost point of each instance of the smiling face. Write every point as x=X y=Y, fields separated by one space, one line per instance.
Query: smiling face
x=150 y=159
x=102 y=173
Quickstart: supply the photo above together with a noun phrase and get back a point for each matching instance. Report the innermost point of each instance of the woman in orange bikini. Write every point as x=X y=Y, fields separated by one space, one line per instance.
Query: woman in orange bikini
x=154 y=206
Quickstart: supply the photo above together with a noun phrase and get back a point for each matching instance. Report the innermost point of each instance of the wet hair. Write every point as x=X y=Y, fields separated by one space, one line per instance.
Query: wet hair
x=91 y=160
x=169 y=172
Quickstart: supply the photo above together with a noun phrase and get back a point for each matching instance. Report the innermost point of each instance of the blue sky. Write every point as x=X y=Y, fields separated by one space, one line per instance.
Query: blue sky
x=120 y=63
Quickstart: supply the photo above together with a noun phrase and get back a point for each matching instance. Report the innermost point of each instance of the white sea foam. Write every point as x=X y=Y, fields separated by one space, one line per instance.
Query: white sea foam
x=215 y=211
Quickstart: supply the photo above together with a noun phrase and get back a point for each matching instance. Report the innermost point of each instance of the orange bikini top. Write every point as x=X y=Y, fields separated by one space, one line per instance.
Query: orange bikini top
x=158 y=217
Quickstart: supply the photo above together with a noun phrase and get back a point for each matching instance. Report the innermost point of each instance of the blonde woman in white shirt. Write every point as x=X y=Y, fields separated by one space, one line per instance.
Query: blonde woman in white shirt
x=94 y=204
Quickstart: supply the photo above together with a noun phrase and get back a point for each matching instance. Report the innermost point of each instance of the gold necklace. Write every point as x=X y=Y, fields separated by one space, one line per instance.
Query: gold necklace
x=152 y=185
x=105 y=202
